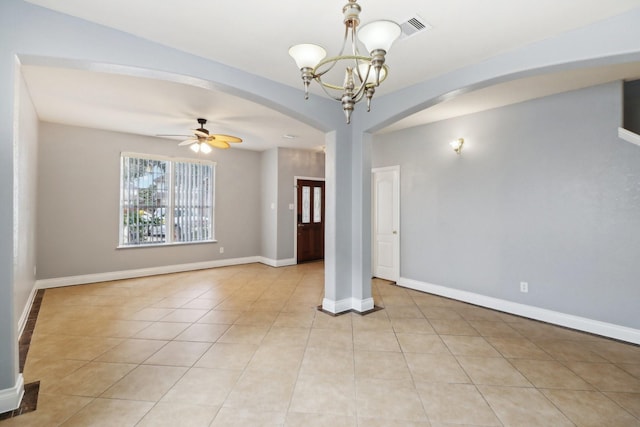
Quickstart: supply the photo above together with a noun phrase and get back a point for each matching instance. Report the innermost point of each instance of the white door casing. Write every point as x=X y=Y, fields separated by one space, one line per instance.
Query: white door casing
x=386 y=222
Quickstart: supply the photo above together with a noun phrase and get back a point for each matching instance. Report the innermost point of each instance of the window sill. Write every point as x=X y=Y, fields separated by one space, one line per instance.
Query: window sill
x=164 y=245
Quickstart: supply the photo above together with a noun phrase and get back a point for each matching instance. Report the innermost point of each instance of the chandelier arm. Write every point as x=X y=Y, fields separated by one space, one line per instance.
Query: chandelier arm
x=317 y=75
x=357 y=96
x=344 y=40
x=356 y=54
x=324 y=87
x=333 y=61
x=359 y=74
x=360 y=92
x=354 y=42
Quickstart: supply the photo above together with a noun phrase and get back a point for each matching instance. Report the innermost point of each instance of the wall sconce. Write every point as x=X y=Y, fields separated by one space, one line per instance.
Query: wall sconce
x=457 y=145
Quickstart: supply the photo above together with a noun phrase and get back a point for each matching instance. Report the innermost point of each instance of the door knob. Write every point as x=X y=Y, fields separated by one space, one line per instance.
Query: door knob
x=395 y=232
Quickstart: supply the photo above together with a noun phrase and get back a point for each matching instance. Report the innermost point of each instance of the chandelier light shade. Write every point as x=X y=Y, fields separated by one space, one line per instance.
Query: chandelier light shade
x=379 y=35
x=307 y=55
x=372 y=77
x=363 y=72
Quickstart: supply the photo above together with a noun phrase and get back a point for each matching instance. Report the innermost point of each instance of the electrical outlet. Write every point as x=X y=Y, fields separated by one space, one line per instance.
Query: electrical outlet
x=524 y=287
x=221 y=250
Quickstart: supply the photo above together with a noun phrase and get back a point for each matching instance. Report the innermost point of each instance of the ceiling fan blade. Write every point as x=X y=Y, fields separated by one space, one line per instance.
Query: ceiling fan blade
x=188 y=142
x=227 y=138
x=218 y=144
x=167 y=134
x=200 y=133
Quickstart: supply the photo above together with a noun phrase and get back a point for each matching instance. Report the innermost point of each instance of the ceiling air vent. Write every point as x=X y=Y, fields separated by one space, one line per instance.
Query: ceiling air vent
x=412 y=26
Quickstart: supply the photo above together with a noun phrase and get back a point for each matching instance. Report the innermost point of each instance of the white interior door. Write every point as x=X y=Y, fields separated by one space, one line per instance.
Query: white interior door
x=386 y=223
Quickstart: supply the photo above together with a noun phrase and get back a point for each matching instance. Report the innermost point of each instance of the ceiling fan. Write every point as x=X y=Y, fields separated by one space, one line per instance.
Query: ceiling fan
x=202 y=140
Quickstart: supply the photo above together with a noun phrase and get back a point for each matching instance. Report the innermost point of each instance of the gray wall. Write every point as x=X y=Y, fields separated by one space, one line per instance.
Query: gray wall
x=293 y=163
x=269 y=197
x=24 y=219
x=279 y=167
x=543 y=192
x=78 y=199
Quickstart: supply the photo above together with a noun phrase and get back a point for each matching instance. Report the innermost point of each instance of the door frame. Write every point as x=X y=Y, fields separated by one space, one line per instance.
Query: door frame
x=295 y=207
x=396 y=208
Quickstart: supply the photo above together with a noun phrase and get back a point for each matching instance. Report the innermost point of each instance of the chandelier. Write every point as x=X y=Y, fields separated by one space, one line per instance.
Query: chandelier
x=363 y=74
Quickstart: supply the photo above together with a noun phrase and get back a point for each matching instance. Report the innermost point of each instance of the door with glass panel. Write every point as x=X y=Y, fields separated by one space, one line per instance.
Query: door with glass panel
x=310 y=220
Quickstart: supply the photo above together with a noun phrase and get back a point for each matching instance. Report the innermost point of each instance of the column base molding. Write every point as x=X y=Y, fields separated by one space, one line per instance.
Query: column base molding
x=10 y=398
x=362 y=306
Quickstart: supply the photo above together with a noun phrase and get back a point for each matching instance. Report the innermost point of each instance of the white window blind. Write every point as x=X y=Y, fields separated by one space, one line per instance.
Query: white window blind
x=164 y=201
x=193 y=202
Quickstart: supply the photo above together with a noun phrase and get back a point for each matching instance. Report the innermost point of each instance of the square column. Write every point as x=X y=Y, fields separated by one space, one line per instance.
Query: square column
x=348 y=221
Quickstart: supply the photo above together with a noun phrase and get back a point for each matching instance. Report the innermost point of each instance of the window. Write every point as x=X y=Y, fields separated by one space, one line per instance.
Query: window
x=165 y=201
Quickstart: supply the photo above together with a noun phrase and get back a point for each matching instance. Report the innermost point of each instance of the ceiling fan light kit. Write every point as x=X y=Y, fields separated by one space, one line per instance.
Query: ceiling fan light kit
x=363 y=74
x=202 y=140
x=201 y=147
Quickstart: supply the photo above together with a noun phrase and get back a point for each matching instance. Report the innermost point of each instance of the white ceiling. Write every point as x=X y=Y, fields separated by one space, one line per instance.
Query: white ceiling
x=254 y=36
x=152 y=107
x=518 y=91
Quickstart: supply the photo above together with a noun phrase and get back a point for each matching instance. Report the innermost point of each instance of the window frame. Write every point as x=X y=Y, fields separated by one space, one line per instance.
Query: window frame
x=170 y=207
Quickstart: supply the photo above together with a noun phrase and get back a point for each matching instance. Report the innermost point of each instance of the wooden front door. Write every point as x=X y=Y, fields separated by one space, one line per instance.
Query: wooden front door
x=310 y=220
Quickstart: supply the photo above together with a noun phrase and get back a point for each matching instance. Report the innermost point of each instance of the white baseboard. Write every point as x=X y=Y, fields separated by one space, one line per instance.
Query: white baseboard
x=629 y=136
x=347 y=304
x=362 y=305
x=10 y=398
x=278 y=262
x=336 y=307
x=153 y=271
x=140 y=272
x=610 y=330
x=22 y=322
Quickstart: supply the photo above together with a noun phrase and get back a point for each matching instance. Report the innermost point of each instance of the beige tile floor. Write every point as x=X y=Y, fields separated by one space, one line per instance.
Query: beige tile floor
x=245 y=346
